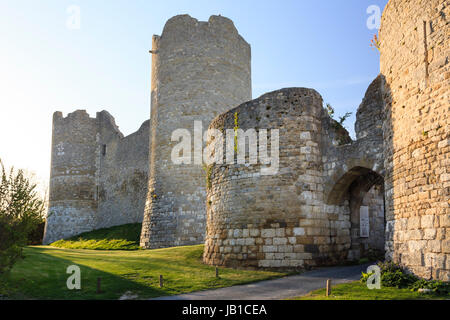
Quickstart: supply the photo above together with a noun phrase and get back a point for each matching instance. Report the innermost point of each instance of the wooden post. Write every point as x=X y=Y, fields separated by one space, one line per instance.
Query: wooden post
x=99 y=285
x=161 y=283
x=217 y=272
x=328 y=287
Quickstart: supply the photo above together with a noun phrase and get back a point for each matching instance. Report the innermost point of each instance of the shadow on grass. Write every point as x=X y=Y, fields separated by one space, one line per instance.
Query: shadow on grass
x=41 y=275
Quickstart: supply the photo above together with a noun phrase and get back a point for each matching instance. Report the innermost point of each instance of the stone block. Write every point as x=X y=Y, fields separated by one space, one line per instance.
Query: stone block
x=427 y=221
x=299 y=231
x=279 y=241
x=268 y=233
x=414 y=223
x=270 y=249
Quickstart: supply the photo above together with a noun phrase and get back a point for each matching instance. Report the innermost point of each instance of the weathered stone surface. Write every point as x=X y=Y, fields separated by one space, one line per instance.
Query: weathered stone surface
x=293 y=224
x=199 y=69
x=308 y=213
x=414 y=61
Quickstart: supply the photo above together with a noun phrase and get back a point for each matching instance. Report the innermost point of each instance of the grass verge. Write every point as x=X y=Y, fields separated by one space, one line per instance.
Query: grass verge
x=42 y=274
x=123 y=237
x=359 y=291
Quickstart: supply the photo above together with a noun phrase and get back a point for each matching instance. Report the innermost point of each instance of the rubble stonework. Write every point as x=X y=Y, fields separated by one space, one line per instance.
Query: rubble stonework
x=415 y=37
x=287 y=220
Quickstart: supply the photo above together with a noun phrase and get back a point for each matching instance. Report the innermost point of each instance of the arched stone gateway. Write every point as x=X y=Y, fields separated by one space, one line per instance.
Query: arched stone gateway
x=301 y=215
x=342 y=185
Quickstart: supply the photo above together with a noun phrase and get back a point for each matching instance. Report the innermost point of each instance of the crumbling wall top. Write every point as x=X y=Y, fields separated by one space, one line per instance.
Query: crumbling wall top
x=369 y=116
x=184 y=23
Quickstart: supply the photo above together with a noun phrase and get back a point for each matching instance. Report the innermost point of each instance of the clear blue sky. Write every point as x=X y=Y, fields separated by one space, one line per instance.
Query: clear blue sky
x=45 y=66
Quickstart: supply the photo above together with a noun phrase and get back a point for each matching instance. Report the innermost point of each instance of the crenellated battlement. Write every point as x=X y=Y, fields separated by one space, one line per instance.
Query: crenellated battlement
x=94 y=165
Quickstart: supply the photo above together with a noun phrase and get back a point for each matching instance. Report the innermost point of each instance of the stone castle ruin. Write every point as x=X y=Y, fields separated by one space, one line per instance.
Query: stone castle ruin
x=98 y=177
x=331 y=199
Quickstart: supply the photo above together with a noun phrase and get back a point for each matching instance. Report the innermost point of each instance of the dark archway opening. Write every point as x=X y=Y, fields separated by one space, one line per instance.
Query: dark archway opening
x=362 y=191
x=367 y=217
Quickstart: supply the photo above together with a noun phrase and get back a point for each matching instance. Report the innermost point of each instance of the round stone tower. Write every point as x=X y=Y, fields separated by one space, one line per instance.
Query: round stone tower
x=199 y=70
x=73 y=197
x=415 y=37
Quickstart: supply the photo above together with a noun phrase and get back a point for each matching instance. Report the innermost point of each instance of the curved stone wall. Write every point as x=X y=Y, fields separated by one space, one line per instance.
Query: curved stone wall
x=199 y=70
x=72 y=197
x=308 y=212
x=278 y=220
x=415 y=37
x=369 y=116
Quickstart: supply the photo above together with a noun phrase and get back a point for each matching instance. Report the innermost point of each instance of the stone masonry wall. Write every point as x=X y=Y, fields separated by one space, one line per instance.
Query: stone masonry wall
x=352 y=170
x=72 y=196
x=275 y=221
x=344 y=162
x=98 y=176
x=415 y=37
x=369 y=116
x=122 y=174
x=303 y=215
x=374 y=199
x=199 y=69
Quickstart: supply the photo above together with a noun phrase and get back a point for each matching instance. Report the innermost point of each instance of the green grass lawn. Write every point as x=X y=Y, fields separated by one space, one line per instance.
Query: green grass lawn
x=42 y=274
x=359 y=291
x=124 y=237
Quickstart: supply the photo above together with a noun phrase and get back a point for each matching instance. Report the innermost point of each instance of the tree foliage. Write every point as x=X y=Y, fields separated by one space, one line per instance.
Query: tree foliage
x=342 y=119
x=338 y=125
x=21 y=211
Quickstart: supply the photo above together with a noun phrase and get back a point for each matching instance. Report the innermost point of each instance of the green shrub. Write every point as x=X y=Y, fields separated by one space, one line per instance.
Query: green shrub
x=436 y=286
x=21 y=211
x=393 y=275
x=364 y=277
x=397 y=279
x=388 y=267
